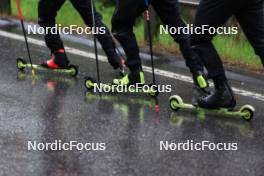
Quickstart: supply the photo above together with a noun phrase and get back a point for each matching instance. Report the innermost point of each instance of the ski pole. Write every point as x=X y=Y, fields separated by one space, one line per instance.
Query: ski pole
x=25 y=35
x=95 y=45
x=147 y=18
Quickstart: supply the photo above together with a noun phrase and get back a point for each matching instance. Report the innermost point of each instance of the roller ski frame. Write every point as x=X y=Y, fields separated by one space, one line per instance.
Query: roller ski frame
x=246 y=112
x=91 y=84
x=22 y=64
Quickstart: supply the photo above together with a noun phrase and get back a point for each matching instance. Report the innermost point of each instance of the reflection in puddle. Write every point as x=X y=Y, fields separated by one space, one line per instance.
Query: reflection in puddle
x=45 y=77
x=128 y=107
x=244 y=128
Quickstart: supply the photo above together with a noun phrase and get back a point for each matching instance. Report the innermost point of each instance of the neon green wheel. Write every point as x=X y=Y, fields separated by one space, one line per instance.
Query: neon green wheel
x=73 y=70
x=89 y=83
x=21 y=64
x=247 y=113
x=153 y=91
x=152 y=94
x=175 y=102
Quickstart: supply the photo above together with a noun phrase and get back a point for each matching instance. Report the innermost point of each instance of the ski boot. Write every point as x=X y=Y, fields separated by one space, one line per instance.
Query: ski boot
x=58 y=63
x=58 y=60
x=137 y=79
x=131 y=79
x=223 y=97
x=137 y=83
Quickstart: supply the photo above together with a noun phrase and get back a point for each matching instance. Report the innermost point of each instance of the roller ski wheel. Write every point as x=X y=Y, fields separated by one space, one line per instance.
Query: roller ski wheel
x=153 y=92
x=247 y=112
x=73 y=70
x=176 y=102
x=89 y=83
x=21 y=64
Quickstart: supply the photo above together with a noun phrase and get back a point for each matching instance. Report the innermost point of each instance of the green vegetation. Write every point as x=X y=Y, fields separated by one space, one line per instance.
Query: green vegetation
x=234 y=51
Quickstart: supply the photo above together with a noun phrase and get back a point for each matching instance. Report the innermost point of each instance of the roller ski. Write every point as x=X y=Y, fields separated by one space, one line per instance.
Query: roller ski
x=222 y=101
x=70 y=70
x=246 y=111
x=133 y=86
x=50 y=65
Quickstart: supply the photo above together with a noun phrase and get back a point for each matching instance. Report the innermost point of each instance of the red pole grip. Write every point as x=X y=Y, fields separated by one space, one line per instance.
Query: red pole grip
x=19 y=10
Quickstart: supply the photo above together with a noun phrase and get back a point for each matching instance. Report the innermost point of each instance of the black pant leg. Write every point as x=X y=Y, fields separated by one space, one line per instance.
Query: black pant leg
x=123 y=21
x=85 y=10
x=213 y=13
x=251 y=18
x=168 y=11
x=47 y=12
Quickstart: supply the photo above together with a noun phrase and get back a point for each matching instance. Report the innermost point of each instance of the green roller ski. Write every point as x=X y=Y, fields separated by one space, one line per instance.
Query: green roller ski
x=91 y=84
x=22 y=64
x=246 y=111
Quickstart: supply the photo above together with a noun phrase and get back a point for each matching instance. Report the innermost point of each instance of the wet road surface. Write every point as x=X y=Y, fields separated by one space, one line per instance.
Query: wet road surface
x=53 y=107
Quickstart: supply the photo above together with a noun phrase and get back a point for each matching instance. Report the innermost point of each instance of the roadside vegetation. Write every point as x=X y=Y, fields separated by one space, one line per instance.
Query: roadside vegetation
x=235 y=50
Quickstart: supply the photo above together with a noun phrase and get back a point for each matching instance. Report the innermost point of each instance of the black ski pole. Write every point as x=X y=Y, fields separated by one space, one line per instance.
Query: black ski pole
x=25 y=35
x=147 y=18
x=95 y=45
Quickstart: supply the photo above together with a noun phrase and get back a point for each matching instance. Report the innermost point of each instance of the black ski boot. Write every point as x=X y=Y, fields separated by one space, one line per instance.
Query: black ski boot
x=58 y=60
x=223 y=97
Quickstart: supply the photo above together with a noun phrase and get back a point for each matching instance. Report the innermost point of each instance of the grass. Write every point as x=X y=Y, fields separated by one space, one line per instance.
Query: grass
x=235 y=52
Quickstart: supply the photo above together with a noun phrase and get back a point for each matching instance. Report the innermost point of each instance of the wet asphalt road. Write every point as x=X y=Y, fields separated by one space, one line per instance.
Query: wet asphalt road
x=57 y=107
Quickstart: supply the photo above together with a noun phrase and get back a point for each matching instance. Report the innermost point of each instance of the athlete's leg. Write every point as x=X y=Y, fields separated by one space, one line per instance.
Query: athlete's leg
x=47 y=11
x=251 y=19
x=213 y=13
x=123 y=21
x=85 y=10
x=168 y=11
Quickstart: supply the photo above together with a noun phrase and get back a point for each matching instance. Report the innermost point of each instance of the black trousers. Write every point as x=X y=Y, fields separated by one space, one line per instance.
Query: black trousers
x=48 y=9
x=249 y=13
x=124 y=19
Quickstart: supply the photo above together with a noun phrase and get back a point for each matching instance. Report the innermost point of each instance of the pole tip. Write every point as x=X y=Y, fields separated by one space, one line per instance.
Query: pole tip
x=157 y=108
